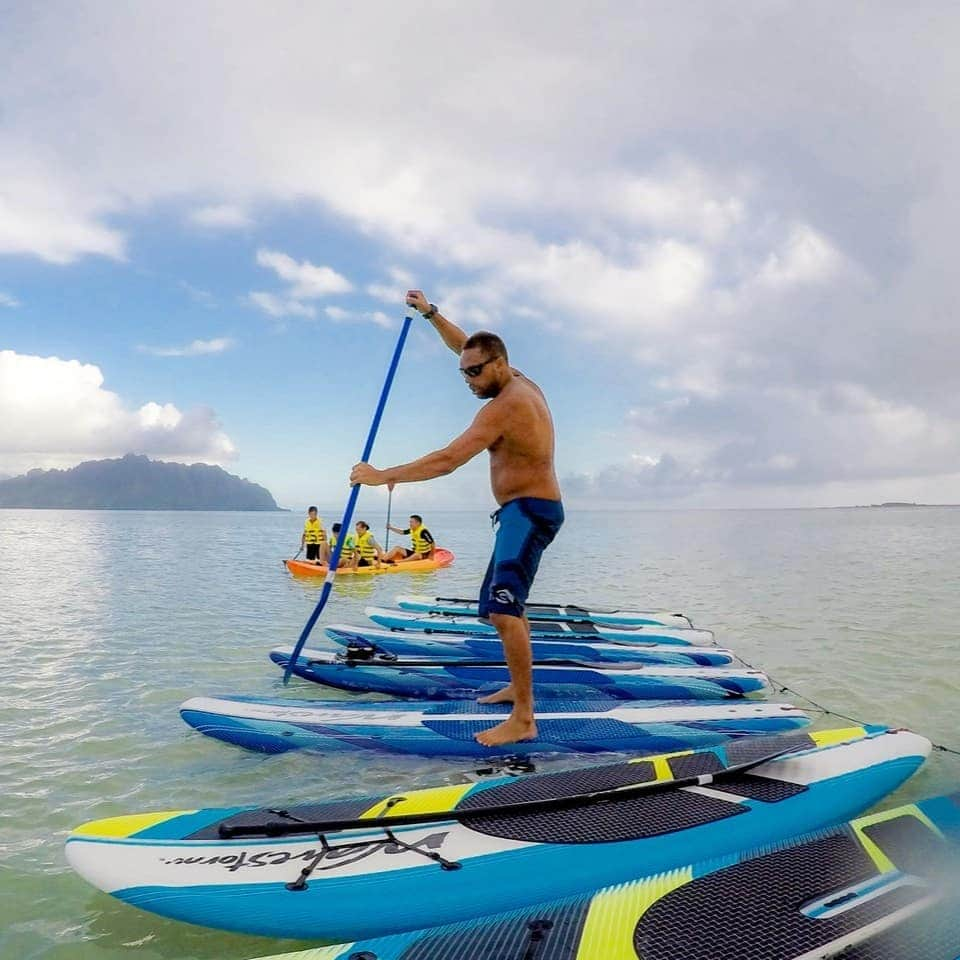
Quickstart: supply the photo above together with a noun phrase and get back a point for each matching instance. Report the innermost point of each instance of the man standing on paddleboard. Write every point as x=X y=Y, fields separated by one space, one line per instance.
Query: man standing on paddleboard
x=517 y=429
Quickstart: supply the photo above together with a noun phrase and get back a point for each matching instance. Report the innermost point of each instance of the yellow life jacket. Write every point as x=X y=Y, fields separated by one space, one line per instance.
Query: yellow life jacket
x=313 y=531
x=348 y=544
x=365 y=545
x=419 y=543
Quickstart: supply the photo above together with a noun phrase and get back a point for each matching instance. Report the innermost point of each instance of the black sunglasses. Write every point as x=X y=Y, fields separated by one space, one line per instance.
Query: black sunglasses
x=475 y=369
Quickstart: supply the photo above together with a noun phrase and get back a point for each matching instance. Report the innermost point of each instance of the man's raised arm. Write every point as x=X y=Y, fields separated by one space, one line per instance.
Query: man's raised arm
x=449 y=332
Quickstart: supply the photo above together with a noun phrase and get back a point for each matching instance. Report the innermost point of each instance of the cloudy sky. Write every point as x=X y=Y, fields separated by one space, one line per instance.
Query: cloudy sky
x=719 y=235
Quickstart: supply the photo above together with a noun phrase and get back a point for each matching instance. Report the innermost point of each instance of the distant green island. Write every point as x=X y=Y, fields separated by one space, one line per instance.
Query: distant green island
x=134 y=482
x=901 y=503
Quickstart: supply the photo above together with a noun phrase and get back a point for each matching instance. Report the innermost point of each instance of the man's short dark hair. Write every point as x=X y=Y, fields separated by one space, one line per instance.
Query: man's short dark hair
x=336 y=528
x=417 y=517
x=311 y=509
x=488 y=342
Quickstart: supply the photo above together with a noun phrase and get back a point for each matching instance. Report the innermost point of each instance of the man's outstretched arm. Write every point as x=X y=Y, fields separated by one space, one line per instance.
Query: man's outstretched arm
x=480 y=435
x=449 y=332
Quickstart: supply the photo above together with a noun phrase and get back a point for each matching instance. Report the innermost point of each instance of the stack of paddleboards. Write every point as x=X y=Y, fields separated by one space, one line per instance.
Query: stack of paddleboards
x=748 y=843
x=604 y=680
x=725 y=830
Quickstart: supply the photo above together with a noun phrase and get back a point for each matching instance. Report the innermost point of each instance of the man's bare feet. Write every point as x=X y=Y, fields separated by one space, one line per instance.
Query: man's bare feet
x=512 y=730
x=506 y=695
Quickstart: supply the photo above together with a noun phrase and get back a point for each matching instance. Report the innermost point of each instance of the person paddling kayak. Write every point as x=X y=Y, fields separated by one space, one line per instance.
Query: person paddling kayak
x=422 y=545
x=517 y=430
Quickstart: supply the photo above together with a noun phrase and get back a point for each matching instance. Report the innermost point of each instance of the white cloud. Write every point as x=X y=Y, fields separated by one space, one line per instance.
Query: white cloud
x=395 y=291
x=195 y=348
x=204 y=297
x=378 y=317
x=221 y=216
x=50 y=212
x=805 y=257
x=306 y=280
x=8 y=300
x=278 y=307
x=36 y=391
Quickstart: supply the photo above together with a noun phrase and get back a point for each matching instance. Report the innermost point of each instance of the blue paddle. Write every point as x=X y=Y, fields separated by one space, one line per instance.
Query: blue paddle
x=351 y=503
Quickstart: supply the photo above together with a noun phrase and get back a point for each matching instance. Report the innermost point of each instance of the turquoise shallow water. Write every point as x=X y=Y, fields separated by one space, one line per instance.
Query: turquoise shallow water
x=110 y=620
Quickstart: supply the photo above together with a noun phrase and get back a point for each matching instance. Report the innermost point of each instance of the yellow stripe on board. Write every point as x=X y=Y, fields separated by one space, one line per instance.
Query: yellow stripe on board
x=827 y=738
x=336 y=952
x=126 y=826
x=433 y=800
x=661 y=769
x=883 y=863
x=612 y=916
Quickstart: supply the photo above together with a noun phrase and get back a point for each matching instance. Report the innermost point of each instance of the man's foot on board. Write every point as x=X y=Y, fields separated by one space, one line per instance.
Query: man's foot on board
x=510 y=731
x=506 y=695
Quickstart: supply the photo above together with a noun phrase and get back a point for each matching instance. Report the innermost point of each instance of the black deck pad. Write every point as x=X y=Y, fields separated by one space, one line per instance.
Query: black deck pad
x=538 y=934
x=764 y=789
x=607 y=821
x=912 y=846
x=694 y=764
x=750 y=749
x=564 y=626
x=331 y=810
x=566 y=783
x=752 y=910
x=933 y=934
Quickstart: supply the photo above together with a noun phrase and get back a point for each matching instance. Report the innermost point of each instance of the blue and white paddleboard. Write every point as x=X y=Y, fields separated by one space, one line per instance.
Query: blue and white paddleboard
x=451 y=623
x=416 y=643
x=548 y=611
x=343 y=869
x=447 y=729
x=437 y=679
x=875 y=888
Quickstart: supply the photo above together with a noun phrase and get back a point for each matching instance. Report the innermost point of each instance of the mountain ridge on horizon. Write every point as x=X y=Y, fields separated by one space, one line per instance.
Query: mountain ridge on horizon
x=134 y=482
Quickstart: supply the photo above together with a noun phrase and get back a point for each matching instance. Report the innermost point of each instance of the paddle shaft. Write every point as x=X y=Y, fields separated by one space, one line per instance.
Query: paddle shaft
x=386 y=539
x=276 y=828
x=351 y=502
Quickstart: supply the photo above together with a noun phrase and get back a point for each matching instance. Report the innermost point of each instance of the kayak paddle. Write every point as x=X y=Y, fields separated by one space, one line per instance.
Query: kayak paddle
x=386 y=542
x=351 y=503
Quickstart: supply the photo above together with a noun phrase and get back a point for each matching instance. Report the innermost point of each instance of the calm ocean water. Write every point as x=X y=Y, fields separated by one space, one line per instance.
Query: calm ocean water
x=110 y=620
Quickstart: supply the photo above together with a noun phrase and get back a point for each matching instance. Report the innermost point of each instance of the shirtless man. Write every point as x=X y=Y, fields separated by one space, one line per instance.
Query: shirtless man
x=517 y=430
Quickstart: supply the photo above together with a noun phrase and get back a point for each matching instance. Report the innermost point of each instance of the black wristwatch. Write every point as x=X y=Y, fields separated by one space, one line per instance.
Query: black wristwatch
x=431 y=313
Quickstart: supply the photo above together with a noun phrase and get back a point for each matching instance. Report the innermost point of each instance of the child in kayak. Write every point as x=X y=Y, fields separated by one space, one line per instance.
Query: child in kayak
x=421 y=542
x=349 y=545
x=367 y=551
x=314 y=538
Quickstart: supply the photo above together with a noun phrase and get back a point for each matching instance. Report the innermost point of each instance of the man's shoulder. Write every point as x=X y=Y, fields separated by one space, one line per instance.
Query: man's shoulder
x=524 y=389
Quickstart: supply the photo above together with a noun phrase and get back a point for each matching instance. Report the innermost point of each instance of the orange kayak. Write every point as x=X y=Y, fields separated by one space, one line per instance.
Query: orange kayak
x=440 y=558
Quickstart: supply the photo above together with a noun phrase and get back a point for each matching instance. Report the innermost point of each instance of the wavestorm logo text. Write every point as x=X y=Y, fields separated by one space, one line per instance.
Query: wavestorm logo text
x=318 y=858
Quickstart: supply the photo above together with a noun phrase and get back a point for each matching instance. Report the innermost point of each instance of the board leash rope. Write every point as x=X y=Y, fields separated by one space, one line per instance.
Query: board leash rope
x=783 y=688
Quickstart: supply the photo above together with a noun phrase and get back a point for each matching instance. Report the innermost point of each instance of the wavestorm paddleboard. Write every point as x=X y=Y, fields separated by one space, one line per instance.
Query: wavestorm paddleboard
x=882 y=887
x=571 y=647
x=437 y=679
x=449 y=623
x=458 y=852
x=547 y=611
x=447 y=729
x=441 y=558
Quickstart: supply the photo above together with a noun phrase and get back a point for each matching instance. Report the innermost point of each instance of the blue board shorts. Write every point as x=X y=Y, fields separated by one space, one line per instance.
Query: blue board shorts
x=525 y=528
